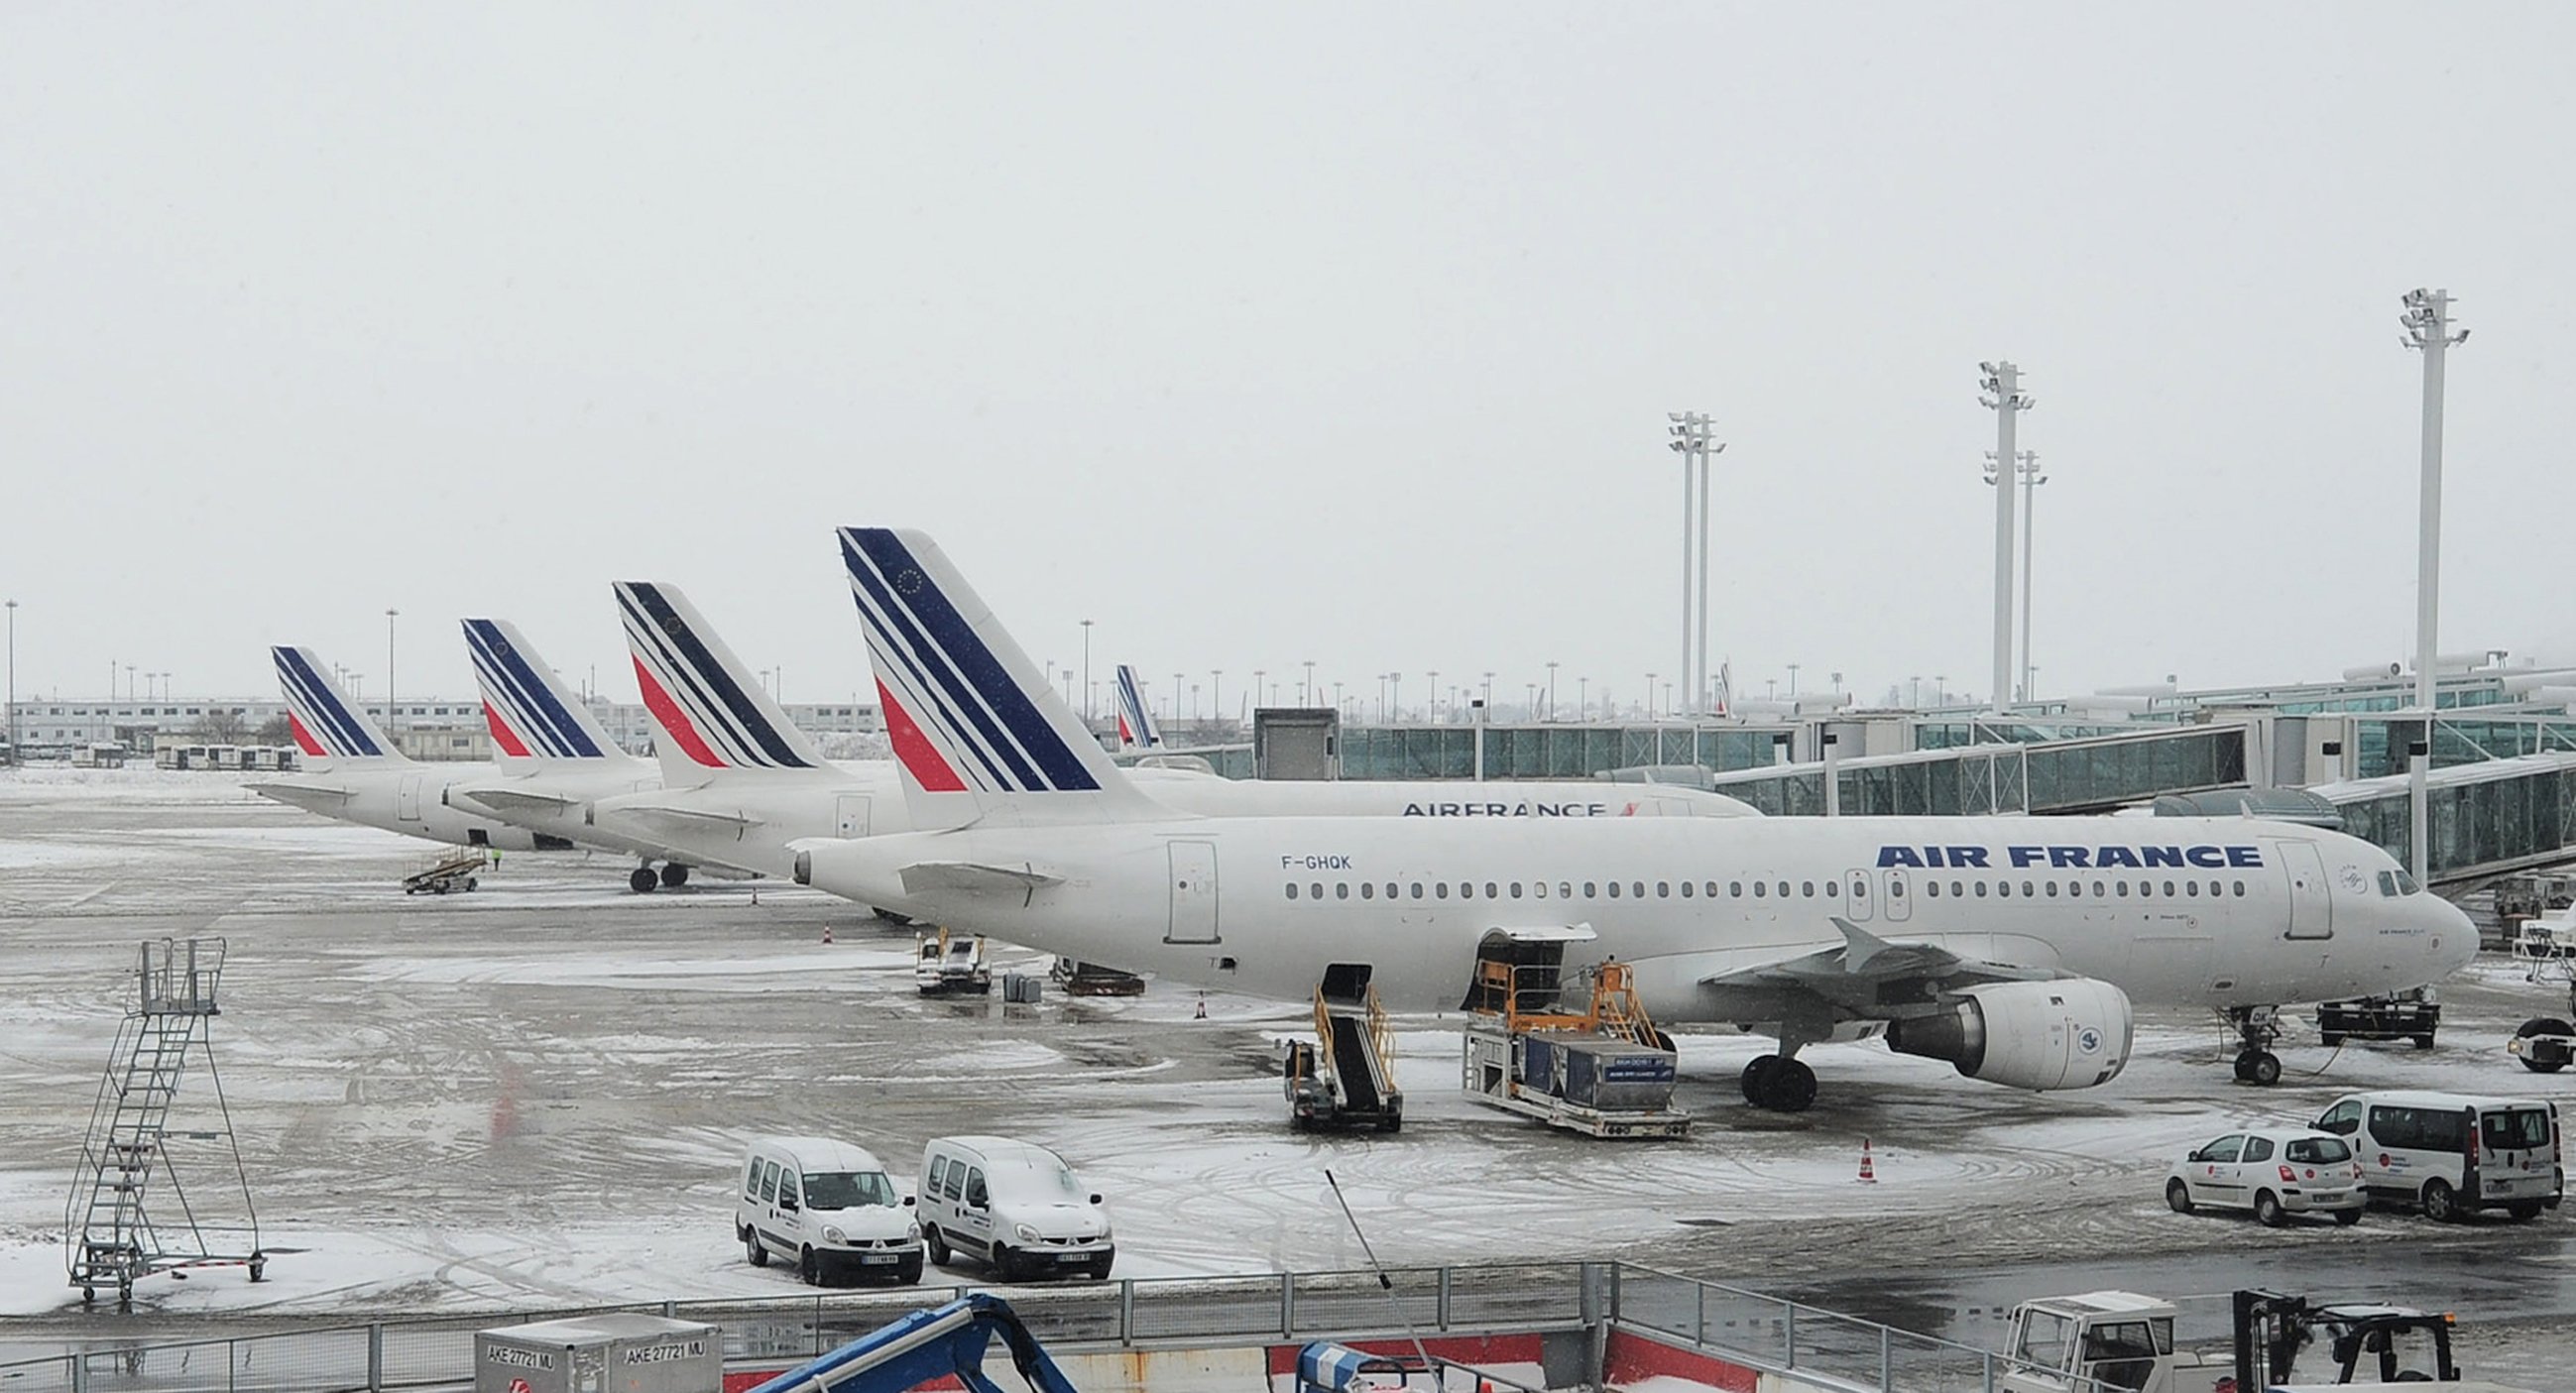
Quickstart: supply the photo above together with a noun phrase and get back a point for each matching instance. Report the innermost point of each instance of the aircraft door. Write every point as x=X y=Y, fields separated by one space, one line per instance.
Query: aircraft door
x=850 y=818
x=1896 y=895
x=1193 y=893
x=2311 y=902
x=1857 y=903
x=407 y=798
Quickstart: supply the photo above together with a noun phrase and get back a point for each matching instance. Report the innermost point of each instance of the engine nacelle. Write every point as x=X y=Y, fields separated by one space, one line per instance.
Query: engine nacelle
x=2074 y=1033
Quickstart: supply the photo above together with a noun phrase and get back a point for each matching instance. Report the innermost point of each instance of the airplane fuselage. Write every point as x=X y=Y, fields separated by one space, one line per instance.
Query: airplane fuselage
x=2176 y=911
x=406 y=798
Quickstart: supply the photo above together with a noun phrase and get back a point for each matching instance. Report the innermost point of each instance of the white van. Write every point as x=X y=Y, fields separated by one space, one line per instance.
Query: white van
x=2453 y=1153
x=1012 y=1205
x=826 y=1207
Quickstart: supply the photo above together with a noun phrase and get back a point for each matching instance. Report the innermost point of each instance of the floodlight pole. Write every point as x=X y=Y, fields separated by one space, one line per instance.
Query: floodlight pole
x=13 y=684
x=2427 y=322
x=393 y=719
x=1690 y=440
x=2001 y=384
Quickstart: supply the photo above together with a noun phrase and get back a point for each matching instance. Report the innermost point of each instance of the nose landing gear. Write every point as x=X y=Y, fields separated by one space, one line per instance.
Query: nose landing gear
x=2257 y=1029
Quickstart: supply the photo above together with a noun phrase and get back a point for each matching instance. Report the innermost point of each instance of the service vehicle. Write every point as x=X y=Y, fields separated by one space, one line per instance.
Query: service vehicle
x=828 y=1208
x=945 y=963
x=1012 y=1205
x=2453 y=1154
x=2101 y=1341
x=2275 y=1173
x=2414 y=1014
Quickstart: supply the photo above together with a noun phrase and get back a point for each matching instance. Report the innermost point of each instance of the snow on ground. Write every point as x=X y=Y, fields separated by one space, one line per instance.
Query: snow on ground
x=536 y=1095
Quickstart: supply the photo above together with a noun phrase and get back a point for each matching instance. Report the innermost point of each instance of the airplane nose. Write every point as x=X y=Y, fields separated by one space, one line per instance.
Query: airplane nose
x=2455 y=937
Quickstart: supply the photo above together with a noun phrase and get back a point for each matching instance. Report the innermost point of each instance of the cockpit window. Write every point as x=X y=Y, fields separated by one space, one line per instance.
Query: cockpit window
x=2406 y=883
x=2388 y=884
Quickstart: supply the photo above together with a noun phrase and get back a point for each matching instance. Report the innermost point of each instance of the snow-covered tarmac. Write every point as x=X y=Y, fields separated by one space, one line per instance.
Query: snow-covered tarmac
x=536 y=1095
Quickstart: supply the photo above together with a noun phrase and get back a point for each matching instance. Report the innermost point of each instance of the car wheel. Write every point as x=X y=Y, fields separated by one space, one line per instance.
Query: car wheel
x=937 y=1245
x=2178 y=1196
x=1002 y=1265
x=2347 y=1217
x=910 y=1272
x=2441 y=1202
x=2267 y=1209
x=2524 y=1211
x=752 y=1252
x=1100 y=1271
x=809 y=1268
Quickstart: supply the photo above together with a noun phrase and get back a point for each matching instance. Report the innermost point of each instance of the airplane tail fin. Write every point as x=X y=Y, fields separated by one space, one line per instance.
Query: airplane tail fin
x=979 y=734
x=1136 y=728
x=532 y=713
x=328 y=727
x=715 y=719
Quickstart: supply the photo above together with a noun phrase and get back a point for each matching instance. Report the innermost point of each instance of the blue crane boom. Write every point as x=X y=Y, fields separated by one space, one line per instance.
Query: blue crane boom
x=944 y=1340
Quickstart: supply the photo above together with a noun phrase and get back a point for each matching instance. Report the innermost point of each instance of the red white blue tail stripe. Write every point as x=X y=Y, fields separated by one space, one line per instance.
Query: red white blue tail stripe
x=525 y=702
x=956 y=707
x=319 y=714
x=699 y=692
x=1136 y=728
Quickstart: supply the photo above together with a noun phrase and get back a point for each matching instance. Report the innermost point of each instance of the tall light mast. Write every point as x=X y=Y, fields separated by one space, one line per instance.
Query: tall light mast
x=2427 y=322
x=2001 y=385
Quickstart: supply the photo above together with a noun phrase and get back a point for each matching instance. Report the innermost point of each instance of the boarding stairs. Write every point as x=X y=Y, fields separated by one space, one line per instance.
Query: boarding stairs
x=1346 y=1079
x=118 y=1225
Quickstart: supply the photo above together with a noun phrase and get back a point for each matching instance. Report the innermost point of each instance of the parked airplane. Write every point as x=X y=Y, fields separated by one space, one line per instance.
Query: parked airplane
x=739 y=783
x=2010 y=947
x=558 y=762
x=1136 y=728
x=352 y=773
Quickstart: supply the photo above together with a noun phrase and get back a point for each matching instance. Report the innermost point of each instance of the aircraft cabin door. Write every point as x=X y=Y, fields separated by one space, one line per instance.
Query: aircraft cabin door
x=850 y=818
x=407 y=798
x=1857 y=902
x=1193 y=893
x=1898 y=896
x=2311 y=903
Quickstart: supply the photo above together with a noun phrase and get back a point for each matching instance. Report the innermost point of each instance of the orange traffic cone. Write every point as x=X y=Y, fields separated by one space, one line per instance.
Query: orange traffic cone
x=827 y=933
x=1868 y=1172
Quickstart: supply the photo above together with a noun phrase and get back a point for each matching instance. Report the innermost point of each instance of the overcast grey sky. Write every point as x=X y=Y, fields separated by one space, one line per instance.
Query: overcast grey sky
x=1264 y=334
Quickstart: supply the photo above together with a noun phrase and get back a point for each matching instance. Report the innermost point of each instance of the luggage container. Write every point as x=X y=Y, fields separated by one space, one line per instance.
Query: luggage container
x=616 y=1353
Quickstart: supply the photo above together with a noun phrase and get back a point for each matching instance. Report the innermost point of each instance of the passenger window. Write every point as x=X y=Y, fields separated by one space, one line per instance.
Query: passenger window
x=1368 y=889
x=1784 y=889
x=1489 y=890
x=1686 y=889
x=1538 y=889
x=2343 y=1119
x=2258 y=1148
x=2052 y=889
x=2123 y=888
x=1292 y=889
x=976 y=1196
x=790 y=1185
x=1807 y=888
x=1341 y=889
x=1663 y=889
x=2029 y=891
x=1591 y=889
x=1711 y=889
x=1934 y=886
x=1896 y=890
x=1614 y=889
x=2240 y=889
x=2101 y=891
x=2168 y=889
x=751 y=1180
x=1417 y=889
x=956 y=1187
x=1316 y=890
x=1440 y=889
x=2192 y=887
x=1833 y=889
x=1957 y=891
x=2003 y=889
x=1565 y=889
x=2223 y=1149
x=1390 y=889
x=1761 y=888
x=1637 y=889
x=1516 y=889
x=769 y=1183
x=1981 y=889
x=1735 y=889
x=938 y=1171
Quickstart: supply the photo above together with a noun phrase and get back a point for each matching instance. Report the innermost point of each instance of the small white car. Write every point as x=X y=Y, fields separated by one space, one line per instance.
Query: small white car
x=1014 y=1206
x=2275 y=1173
x=828 y=1208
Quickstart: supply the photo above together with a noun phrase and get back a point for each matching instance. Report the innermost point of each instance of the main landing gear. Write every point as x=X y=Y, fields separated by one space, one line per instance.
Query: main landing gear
x=2257 y=1027
x=1780 y=1083
x=643 y=879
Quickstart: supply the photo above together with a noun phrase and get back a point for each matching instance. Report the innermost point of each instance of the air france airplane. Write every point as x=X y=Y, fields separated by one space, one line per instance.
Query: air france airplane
x=557 y=762
x=2009 y=947
x=1136 y=728
x=352 y=773
x=739 y=783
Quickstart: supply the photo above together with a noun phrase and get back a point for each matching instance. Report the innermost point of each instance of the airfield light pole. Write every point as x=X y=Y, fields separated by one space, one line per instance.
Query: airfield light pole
x=393 y=721
x=1551 y=689
x=1086 y=674
x=2427 y=322
x=1793 y=681
x=2002 y=394
x=1690 y=440
x=1306 y=692
x=1435 y=698
x=13 y=683
x=2031 y=479
x=1216 y=693
x=1582 y=697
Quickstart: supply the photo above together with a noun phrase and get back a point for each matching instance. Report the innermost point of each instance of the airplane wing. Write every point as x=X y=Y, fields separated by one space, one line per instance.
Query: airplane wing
x=1871 y=977
x=969 y=877
x=303 y=794
x=692 y=818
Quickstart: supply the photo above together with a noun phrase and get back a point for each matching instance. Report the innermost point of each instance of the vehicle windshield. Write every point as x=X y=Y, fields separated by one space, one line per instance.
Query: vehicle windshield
x=1045 y=1181
x=2520 y=1129
x=848 y=1189
x=2318 y=1150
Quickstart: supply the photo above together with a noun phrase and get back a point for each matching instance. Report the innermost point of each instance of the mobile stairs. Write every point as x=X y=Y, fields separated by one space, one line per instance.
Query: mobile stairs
x=1345 y=1078
x=1603 y=1071
x=117 y=1225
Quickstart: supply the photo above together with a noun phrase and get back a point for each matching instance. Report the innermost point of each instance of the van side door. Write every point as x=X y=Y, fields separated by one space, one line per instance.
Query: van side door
x=791 y=1210
x=975 y=1214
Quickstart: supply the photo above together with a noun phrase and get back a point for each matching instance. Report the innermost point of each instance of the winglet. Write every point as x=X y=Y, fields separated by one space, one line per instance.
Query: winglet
x=532 y=713
x=978 y=732
x=715 y=718
x=328 y=728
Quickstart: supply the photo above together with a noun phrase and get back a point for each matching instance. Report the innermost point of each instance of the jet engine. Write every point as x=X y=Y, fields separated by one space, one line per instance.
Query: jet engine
x=2073 y=1033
